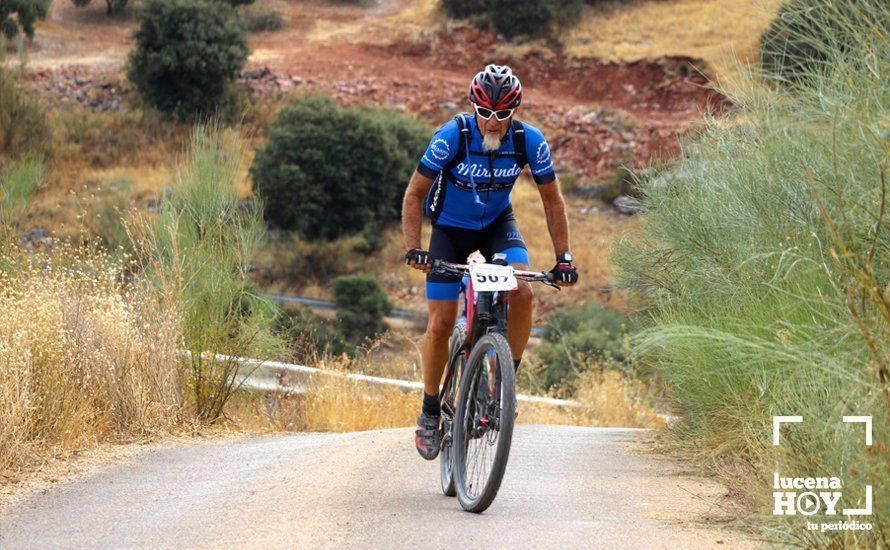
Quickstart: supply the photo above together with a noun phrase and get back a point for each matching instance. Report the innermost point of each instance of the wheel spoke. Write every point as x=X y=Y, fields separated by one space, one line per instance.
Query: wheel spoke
x=481 y=450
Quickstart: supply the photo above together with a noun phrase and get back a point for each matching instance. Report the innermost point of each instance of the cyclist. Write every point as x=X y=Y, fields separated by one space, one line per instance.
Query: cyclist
x=463 y=182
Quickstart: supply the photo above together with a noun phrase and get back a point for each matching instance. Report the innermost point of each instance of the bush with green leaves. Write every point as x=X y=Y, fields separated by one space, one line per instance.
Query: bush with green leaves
x=764 y=274
x=805 y=34
x=111 y=6
x=361 y=306
x=463 y=9
x=187 y=54
x=21 y=14
x=574 y=337
x=513 y=18
x=310 y=336
x=329 y=172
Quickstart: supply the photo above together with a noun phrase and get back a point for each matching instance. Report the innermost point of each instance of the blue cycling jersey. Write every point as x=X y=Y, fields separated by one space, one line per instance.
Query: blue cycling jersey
x=452 y=201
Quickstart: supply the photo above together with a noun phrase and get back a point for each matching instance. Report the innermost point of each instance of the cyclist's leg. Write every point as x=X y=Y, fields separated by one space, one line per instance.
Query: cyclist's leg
x=442 y=315
x=442 y=292
x=504 y=237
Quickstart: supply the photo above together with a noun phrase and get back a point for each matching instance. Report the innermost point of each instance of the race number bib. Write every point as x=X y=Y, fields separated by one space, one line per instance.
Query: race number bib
x=488 y=277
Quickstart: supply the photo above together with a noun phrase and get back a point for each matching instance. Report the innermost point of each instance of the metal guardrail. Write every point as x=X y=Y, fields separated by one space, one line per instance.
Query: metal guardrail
x=289 y=379
x=275 y=377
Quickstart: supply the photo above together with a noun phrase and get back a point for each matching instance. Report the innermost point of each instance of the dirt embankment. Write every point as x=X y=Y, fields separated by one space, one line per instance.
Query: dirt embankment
x=597 y=115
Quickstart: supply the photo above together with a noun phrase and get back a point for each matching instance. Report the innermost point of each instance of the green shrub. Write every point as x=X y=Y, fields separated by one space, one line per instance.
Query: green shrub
x=187 y=54
x=258 y=20
x=765 y=267
x=624 y=181
x=512 y=18
x=111 y=6
x=576 y=336
x=462 y=9
x=15 y=14
x=531 y=17
x=23 y=126
x=310 y=336
x=198 y=252
x=805 y=34
x=361 y=306
x=328 y=172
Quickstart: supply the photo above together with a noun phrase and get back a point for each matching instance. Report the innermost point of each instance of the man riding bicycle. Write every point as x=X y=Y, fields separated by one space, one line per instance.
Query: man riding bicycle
x=463 y=181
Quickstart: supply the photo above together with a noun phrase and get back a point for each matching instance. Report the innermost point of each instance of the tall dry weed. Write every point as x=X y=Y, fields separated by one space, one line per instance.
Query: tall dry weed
x=83 y=358
x=332 y=402
x=607 y=398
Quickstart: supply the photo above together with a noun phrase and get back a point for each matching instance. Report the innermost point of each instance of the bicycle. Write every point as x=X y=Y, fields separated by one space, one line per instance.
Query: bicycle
x=478 y=395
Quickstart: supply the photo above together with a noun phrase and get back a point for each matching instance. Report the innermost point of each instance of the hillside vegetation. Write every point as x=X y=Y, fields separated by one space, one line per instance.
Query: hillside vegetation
x=90 y=342
x=765 y=269
x=87 y=160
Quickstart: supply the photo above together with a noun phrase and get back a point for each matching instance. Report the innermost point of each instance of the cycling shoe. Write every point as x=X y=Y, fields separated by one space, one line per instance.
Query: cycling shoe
x=426 y=437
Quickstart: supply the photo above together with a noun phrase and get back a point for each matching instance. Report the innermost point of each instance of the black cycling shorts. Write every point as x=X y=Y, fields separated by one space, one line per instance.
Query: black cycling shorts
x=455 y=244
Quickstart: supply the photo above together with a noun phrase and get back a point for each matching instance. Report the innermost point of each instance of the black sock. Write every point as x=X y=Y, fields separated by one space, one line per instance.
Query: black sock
x=516 y=364
x=431 y=404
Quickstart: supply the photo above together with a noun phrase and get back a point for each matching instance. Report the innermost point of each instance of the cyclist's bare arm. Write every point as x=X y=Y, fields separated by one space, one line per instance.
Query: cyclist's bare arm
x=412 y=210
x=557 y=221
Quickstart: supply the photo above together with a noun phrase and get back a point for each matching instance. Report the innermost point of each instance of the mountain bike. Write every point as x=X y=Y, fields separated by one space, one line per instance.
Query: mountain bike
x=478 y=395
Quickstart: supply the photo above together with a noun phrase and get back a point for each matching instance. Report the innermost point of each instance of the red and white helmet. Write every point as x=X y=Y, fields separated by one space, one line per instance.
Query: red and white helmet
x=496 y=88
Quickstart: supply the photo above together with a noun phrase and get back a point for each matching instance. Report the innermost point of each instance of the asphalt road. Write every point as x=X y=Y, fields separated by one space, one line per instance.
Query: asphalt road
x=565 y=487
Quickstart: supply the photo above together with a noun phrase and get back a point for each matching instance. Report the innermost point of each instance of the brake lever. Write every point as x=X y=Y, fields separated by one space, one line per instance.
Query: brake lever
x=552 y=284
x=549 y=282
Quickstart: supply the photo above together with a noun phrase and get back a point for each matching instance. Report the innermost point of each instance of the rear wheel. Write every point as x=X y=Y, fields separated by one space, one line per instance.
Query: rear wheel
x=449 y=404
x=483 y=423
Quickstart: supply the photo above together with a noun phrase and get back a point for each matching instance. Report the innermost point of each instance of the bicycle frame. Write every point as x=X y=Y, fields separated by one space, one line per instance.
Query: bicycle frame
x=484 y=312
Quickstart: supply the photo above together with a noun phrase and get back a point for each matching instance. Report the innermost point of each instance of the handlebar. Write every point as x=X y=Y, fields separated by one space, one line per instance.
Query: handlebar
x=441 y=266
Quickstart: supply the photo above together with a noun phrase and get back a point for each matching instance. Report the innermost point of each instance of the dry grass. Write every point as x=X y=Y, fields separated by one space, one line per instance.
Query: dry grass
x=383 y=23
x=111 y=160
x=337 y=404
x=340 y=405
x=331 y=404
x=703 y=29
x=73 y=35
x=82 y=360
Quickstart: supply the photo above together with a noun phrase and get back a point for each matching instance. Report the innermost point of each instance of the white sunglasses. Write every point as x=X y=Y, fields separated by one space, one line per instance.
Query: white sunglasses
x=486 y=114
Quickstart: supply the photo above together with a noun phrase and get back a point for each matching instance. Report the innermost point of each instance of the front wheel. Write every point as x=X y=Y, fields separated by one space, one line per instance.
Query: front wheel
x=483 y=425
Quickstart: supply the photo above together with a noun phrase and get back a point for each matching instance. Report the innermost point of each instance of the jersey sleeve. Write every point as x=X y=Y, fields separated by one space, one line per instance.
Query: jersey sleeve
x=441 y=149
x=538 y=152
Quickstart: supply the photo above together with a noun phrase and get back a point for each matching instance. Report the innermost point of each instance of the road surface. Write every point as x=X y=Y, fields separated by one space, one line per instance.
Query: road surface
x=566 y=487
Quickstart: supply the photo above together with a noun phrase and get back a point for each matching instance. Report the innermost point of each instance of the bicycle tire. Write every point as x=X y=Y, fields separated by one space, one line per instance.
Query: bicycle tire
x=446 y=462
x=498 y=343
